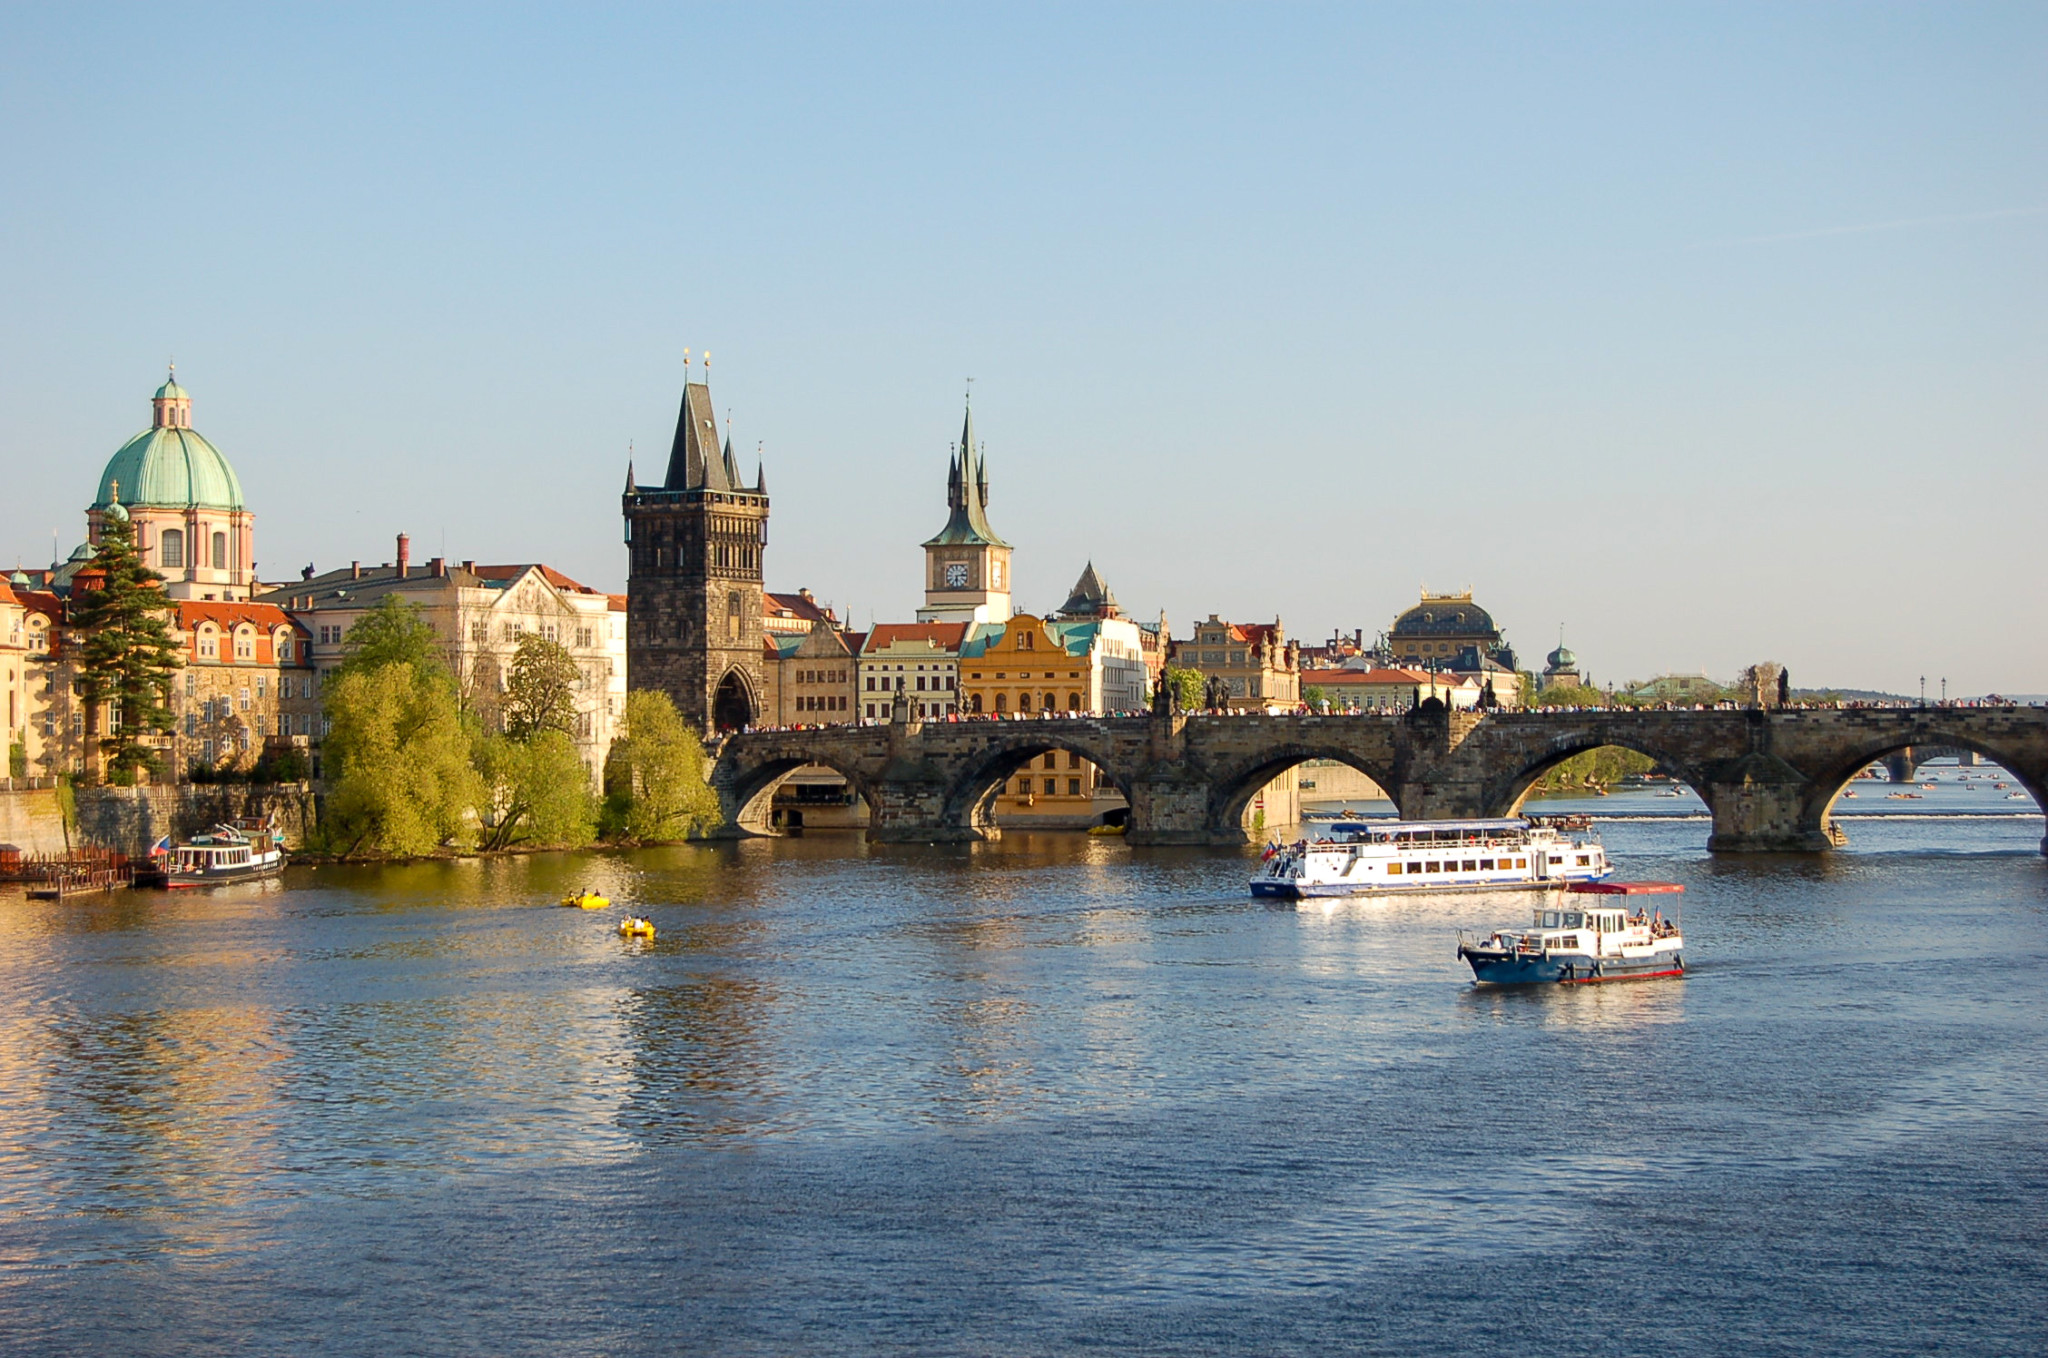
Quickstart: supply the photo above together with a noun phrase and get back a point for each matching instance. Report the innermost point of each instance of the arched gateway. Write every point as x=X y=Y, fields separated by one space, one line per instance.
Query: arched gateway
x=1768 y=777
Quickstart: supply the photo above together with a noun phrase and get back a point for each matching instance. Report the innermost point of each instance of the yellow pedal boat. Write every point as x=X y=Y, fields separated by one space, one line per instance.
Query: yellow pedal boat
x=636 y=928
x=588 y=900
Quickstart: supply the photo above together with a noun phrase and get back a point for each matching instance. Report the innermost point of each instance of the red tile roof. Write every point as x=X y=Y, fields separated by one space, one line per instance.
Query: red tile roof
x=553 y=576
x=794 y=606
x=946 y=635
x=265 y=618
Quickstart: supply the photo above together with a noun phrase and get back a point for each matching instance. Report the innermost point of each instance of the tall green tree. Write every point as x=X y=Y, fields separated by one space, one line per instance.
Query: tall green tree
x=655 y=777
x=126 y=652
x=397 y=761
x=540 y=692
x=533 y=791
x=395 y=632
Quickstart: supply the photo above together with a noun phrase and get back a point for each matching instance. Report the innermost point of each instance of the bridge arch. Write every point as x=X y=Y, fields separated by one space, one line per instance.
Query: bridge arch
x=1834 y=777
x=1506 y=792
x=970 y=800
x=747 y=791
x=1232 y=789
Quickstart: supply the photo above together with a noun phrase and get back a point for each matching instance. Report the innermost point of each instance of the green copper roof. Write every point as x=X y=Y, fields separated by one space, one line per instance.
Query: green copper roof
x=170 y=467
x=967 y=497
x=171 y=391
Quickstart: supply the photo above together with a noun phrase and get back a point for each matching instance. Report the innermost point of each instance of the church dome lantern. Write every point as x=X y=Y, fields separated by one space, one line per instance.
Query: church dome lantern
x=170 y=464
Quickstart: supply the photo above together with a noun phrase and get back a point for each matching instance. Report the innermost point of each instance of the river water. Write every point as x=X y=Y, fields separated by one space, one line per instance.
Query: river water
x=1047 y=1095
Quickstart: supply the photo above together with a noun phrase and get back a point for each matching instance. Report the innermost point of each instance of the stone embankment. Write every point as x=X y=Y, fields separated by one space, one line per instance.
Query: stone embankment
x=130 y=819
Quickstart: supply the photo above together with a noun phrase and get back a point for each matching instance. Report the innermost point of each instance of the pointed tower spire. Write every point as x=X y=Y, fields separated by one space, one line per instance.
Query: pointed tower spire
x=967 y=493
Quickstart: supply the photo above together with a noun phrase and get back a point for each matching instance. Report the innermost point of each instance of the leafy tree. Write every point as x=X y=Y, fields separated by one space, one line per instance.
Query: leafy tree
x=1570 y=695
x=534 y=791
x=1594 y=768
x=1187 y=686
x=1315 y=697
x=655 y=777
x=395 y=632
x=397 y=760
x=540 y=694
x=126 y=652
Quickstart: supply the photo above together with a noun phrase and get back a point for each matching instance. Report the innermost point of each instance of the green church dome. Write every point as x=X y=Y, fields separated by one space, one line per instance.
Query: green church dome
x=170 y=464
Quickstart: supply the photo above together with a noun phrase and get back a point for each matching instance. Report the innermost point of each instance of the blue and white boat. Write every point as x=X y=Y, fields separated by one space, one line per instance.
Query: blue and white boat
x=1368 y=857
x=1591 y=933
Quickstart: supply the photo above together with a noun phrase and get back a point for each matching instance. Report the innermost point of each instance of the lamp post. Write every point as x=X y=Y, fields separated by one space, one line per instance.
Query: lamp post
x=1923 y=690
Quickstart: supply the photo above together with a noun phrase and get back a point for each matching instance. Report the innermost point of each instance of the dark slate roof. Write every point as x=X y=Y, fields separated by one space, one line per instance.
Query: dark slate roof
x=695 y=462
x=1444 y=616
x=1091 y=596
x=967 y=497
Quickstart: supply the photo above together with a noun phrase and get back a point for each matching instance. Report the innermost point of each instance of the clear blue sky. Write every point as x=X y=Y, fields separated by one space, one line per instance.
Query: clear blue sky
x=1714 y=333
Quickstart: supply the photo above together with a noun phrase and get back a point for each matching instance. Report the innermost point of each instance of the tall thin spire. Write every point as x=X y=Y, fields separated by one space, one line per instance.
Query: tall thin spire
x=967 y=491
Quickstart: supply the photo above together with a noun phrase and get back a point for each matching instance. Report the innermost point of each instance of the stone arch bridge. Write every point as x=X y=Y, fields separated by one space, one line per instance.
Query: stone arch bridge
x=1770 y=777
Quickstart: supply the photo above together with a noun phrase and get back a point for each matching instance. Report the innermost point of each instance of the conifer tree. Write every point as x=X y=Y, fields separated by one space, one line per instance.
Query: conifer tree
x=126 y=650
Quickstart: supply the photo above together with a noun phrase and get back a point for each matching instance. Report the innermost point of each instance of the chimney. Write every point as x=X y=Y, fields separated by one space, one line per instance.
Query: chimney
x=469 y=566
x=355 y=570
x=438 y=568
x=404 y=554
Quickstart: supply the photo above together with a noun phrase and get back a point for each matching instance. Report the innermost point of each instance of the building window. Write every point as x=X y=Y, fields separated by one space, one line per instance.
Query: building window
x=1002 y=702
x=1073 y=787
x=171 y=548
x=220 y=551
x=733 y=620
x=1051 y=786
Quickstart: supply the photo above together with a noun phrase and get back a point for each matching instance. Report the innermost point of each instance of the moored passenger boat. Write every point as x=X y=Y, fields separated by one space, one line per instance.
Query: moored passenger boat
x=1590 y=934
x=1374 y=856
x=227 y=853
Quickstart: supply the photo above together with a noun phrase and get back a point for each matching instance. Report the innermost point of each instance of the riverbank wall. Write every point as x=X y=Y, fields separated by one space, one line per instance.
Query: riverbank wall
x=130 y=819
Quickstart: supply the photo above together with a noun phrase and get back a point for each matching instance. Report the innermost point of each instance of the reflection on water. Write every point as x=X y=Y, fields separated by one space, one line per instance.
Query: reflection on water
x=1052 y=1086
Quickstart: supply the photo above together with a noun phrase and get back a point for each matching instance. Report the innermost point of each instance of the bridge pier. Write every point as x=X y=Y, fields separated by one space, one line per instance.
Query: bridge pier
x=1170 y=809
x=1901 y=767
x=1761 y=804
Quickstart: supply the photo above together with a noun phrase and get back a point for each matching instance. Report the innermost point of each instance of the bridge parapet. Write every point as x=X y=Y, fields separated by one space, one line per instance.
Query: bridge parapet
x=1768 y=778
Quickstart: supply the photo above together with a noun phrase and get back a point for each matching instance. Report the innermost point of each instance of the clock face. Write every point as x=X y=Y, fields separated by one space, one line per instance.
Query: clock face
x=956 y=575
x=995 y=574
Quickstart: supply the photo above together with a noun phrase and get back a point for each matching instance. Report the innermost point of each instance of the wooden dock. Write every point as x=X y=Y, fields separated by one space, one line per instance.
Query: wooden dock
x=56 y=877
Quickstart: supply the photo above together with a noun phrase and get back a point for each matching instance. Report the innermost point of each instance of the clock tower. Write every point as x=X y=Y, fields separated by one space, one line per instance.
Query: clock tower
x=966 y=567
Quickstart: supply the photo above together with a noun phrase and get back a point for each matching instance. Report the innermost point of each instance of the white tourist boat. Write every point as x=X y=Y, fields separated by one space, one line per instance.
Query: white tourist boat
x=1373 y=856
x=230 y=852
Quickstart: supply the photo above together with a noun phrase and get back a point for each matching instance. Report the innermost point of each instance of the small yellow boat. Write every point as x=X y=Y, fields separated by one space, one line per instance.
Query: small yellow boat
x=587 y=900
x=1105 y=829
x=636 y=928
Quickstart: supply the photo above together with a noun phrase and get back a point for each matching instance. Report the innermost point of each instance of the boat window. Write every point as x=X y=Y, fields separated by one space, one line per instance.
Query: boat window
x=1432 y=867
x=1557 y=858
x=1550 y=919
x=1486 y=865
x=1573 y=919
x=1583 y=860
x=1471 y=865
x=1393 y=869
x=1568 y=941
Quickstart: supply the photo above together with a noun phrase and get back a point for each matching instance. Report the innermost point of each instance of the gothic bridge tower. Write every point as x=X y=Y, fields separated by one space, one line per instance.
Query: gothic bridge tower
x=693 y=578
